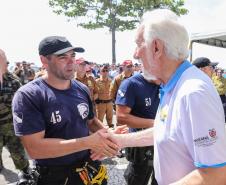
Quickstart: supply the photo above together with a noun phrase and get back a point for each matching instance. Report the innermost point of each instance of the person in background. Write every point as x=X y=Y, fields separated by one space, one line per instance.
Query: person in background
x=113 y=71
x=205 y=65
x=104 y=105
x=189 y=132
x=89 y=71
x=17 y=67
x=137 y=109
x=127 y=72
x=89 y=81
x=208 y=67
x=31 y=72
x=9 y=84
x=58 y=138
x=137 y=69
x=96 y=70
x=220 y=84
x=25 y=73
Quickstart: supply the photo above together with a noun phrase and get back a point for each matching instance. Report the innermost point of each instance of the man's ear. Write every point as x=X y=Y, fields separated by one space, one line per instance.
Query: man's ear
x=44 y=61
x=157 y=48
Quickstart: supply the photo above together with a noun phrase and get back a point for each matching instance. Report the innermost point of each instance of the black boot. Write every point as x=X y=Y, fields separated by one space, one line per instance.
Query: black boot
x=28 y=177
x=24 y=176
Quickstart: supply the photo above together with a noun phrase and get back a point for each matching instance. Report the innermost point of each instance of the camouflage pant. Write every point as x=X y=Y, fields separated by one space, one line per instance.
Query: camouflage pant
x=13 y=144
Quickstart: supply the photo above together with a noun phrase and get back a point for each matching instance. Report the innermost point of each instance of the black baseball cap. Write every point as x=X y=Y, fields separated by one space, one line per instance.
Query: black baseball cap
x=203 y=62
x=56 y=45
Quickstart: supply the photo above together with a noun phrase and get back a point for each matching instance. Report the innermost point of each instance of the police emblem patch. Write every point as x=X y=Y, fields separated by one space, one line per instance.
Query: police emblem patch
x=83 y=110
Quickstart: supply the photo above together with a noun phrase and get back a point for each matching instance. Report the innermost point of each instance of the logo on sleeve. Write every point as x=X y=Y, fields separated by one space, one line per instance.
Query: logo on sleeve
x=121 y=93
x=18 y=117
x=207 y=140
x=83 y=110
x=212 y=133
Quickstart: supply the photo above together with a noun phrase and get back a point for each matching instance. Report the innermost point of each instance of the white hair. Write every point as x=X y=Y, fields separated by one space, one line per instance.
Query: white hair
x=163 y=24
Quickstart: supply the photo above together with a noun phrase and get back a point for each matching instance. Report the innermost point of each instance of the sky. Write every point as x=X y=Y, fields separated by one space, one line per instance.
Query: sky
x=24 y=23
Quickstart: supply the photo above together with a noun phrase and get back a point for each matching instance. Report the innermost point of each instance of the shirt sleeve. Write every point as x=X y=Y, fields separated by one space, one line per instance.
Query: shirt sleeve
x=27 y=116
x=126 y=94
x=91 y=107
x=113 y=89
x=91 y=112
x=203 y=130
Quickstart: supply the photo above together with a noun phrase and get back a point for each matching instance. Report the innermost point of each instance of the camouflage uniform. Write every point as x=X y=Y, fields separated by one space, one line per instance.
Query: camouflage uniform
x=7 y=138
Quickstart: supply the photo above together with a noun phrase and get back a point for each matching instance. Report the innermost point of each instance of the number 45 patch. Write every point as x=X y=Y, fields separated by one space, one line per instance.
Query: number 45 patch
x=55 y=117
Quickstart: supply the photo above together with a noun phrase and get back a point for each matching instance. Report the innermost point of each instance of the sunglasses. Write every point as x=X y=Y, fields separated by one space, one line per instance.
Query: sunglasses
x=104 y=70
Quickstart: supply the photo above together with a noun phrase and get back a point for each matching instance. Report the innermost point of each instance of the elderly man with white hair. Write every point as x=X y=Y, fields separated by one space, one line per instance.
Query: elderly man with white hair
x=189 y=140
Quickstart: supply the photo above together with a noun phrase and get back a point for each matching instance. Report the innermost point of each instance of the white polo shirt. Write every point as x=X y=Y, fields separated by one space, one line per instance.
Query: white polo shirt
x=189 y=126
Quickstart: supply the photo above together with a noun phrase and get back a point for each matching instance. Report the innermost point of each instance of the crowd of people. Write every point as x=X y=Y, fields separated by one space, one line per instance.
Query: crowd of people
x=174 y=112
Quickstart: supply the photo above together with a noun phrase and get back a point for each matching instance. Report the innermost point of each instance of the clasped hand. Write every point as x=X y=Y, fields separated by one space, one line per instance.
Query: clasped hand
x=105 y=142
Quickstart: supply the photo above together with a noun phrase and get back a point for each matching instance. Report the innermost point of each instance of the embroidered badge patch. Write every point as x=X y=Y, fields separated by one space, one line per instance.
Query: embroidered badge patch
x=83 y=110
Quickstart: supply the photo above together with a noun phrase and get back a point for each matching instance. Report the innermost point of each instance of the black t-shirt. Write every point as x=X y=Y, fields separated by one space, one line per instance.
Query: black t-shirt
x=60 y=113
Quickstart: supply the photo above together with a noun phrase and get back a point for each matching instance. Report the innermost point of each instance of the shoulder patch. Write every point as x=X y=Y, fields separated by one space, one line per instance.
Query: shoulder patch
x=18 y=116
x=121 y=93
x=83 y=110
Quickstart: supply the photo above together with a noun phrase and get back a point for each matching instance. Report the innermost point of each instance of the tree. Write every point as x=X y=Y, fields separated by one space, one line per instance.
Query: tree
x=116 y=15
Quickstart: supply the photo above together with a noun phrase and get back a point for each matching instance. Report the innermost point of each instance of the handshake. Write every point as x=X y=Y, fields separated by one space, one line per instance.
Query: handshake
x=106 y=142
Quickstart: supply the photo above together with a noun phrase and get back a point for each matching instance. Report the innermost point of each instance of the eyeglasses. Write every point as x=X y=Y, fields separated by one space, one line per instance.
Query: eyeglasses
x=104 y=70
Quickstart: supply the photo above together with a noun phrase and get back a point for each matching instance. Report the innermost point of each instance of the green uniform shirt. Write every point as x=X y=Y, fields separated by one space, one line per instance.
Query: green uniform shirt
x=7 y=89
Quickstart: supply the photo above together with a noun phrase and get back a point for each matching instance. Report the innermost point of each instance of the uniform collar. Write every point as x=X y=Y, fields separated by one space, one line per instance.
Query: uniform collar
x=105 y=80
x=164 y=89
x=124 y=76
x=78 y=78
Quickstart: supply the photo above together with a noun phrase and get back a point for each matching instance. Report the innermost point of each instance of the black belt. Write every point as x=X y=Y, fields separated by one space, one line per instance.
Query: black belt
x=102 y=101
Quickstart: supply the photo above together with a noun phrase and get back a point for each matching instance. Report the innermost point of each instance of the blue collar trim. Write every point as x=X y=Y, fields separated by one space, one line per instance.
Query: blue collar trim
x=164 y=89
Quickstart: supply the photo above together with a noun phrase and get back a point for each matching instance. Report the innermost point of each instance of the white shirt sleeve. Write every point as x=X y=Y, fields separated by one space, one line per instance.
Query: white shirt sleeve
x=202 y=125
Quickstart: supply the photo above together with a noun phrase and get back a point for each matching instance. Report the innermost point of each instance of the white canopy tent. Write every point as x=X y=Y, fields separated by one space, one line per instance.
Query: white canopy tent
x=213 y=38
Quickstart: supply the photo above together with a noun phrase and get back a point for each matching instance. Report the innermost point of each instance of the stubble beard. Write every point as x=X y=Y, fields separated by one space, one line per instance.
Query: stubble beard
x=61 y=75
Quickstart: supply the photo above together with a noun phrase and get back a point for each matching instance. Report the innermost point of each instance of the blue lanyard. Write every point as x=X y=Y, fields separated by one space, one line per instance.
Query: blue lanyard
x=164 y=89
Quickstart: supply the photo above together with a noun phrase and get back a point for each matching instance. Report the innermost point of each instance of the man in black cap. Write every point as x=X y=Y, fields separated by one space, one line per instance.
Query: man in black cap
x=53 y=116
x=205 y=65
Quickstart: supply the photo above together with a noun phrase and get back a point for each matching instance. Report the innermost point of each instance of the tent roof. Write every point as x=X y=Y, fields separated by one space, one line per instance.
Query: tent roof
x=214 y=38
